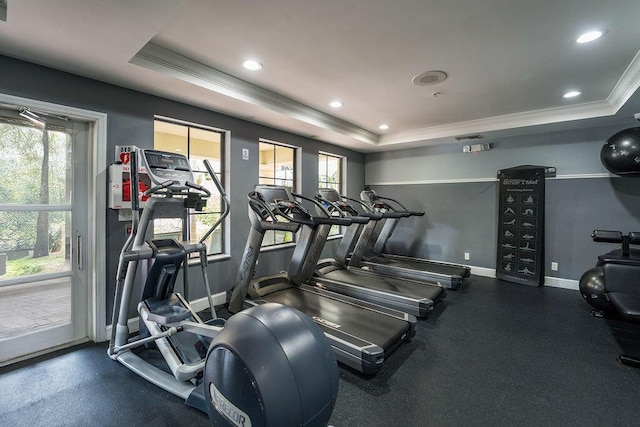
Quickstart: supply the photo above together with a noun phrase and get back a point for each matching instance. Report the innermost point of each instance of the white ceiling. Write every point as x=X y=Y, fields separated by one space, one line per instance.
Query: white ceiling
x=509 y=61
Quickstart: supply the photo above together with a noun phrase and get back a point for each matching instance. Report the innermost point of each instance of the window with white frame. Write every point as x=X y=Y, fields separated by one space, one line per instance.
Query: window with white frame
x=330 y=175
x=277 y=166
x=198 y=143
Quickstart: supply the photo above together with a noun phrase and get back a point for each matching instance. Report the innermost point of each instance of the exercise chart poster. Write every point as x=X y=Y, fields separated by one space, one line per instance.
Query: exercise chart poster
x=520 y=257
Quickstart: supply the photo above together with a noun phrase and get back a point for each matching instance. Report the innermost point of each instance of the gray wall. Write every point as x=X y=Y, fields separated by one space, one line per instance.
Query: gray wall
x=459 y=196
x=130 y=122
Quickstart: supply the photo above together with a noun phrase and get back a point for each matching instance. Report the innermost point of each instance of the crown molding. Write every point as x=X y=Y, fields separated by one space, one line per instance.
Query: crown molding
x=172 y=64
x=167 y=62
x=624 y=88
x=510 y=121
x=627 y=85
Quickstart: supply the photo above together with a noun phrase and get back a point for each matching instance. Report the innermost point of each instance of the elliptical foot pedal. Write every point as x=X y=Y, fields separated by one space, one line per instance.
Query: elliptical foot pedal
x=164 y=313
x=219 y=322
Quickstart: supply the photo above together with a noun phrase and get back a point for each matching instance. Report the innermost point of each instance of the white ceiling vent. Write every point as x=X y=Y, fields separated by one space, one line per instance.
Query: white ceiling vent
x=429 y=78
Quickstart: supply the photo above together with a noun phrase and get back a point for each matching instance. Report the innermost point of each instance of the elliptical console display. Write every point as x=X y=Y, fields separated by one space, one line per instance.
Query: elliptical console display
x=163 y=166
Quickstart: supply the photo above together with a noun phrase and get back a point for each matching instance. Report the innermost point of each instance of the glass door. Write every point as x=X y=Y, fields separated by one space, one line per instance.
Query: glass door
x=43 y=226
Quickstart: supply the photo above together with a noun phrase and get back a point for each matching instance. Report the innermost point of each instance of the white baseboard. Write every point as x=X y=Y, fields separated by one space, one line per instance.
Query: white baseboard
x=484 y=272
x=203 y=303
x=557 y=282
x=197 y=305
x=553 y=282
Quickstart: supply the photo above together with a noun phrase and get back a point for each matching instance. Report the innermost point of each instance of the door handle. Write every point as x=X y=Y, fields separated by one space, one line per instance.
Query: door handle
x=79 y=256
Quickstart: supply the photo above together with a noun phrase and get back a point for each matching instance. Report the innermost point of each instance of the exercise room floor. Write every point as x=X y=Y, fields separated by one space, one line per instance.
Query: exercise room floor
x=491 y=354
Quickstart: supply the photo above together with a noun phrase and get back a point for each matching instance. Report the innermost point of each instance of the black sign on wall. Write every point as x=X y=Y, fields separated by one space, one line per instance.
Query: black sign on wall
x=520 y=257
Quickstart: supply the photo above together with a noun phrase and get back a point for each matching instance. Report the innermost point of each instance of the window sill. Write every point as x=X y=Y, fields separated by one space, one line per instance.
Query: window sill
x=277 y=247
x=210 y=259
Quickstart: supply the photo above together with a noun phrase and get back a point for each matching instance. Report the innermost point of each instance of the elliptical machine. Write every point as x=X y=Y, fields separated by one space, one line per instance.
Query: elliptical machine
x=245 y=371
x=612 y=287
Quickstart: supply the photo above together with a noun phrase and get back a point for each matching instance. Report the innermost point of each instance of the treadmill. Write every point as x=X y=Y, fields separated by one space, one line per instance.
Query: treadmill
x=450 y=276
x=410 y=296
x=361 y=334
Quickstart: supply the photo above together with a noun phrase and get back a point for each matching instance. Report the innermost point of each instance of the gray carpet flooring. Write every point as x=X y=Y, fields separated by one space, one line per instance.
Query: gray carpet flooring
x=491 y=354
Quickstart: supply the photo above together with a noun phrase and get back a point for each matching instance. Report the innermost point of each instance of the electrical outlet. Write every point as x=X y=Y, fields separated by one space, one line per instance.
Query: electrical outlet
x=245 y=154
x=554 y=266
x=466 y=256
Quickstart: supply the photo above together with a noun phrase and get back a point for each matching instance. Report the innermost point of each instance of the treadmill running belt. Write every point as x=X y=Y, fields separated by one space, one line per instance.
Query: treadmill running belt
x=422 y=266
x=381 y=330
x=386 y=284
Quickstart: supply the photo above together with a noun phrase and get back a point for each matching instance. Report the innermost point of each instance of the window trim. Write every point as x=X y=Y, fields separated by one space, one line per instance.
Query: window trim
x=343 y=185
x=343 y=170
x=297 y=162
x=225 y=174
x=297 y=184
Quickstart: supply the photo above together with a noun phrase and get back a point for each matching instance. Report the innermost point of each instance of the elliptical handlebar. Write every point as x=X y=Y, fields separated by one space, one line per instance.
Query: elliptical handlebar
x=198 y=187
x=226 y=206
x=217 y=183
x=159 y=188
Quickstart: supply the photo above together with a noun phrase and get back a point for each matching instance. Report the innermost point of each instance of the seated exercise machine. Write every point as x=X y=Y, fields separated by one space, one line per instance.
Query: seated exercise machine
x=241 y=372
x=408 y=295
x=612 y=287
x=373 y=256
x=361 y=334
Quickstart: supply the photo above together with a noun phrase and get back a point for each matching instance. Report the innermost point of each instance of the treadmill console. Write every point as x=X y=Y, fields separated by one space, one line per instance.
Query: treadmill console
x=369 y=197
x=331 y=194
x=163 y=166
x=273 y=194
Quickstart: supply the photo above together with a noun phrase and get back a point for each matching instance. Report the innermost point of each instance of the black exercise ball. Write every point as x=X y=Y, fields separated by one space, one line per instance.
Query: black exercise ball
x=621 y=153
x=593 y=291
x=271 y=365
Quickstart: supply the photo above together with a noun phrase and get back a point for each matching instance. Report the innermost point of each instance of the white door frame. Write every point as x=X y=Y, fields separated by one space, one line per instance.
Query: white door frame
x=97 y=208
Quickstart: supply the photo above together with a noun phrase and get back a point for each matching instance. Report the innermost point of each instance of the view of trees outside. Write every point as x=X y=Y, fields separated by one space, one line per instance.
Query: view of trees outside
x=329 y=171
x=276 y=167
x=34 y=171
x=198 y=145
x=330 y=176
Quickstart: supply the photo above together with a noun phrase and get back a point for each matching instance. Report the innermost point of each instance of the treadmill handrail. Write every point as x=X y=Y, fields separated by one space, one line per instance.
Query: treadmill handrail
x=400 y=209
x=367 y=209
x=342 y=209
x=281 y=207
x=328 y=218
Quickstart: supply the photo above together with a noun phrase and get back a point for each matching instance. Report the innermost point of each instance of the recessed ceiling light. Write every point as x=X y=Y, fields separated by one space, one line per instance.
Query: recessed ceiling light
x=383 y=127
x=589 y=36
x=251 y=64
x=335 y=104
x=572 y=94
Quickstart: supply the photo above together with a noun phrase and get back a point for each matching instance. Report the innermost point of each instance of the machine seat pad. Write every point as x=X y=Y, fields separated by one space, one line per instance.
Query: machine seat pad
x=616 y=257
x=627 y=304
